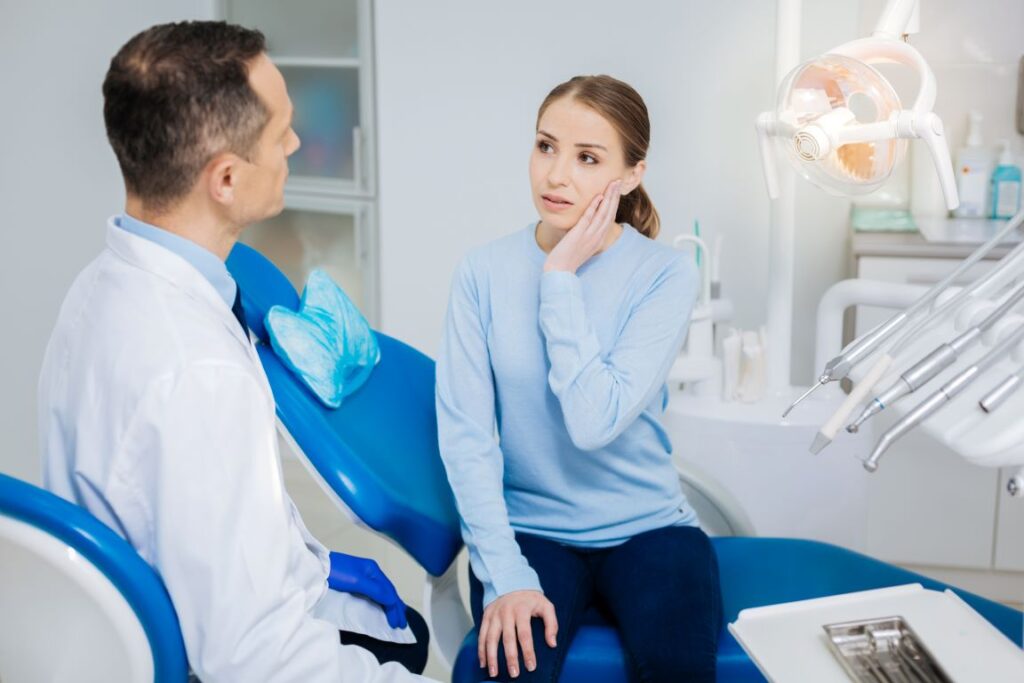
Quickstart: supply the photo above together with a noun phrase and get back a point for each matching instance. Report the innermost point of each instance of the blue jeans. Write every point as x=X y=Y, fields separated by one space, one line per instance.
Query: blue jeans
x=659 y=589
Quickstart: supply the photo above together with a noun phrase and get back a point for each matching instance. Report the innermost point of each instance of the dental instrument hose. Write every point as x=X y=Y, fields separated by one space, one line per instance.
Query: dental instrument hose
x=935 y=362
x=840 y=366
x=944 y=395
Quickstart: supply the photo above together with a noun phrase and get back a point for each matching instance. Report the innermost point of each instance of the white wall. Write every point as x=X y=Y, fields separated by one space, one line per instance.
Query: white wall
x=58 y=178
x=974 y=49
x=458 y=86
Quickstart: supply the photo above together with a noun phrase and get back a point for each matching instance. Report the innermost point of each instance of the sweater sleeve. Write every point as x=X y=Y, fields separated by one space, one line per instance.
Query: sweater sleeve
x=465 y=399
x=602 y=394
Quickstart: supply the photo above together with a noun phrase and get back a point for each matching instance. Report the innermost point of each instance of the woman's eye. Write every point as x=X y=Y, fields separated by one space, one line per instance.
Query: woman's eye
x=544 y=146
x=588 y=158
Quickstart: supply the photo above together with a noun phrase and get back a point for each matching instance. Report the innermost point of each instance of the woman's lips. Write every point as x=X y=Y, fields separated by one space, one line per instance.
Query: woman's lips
x=552 y=203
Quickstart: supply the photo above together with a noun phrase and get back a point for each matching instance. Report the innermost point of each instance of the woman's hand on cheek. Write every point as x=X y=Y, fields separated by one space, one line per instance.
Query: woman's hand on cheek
x=587 y=237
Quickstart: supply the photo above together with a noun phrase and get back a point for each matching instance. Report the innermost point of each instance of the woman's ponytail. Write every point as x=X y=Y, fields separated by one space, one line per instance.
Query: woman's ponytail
x=637 y=209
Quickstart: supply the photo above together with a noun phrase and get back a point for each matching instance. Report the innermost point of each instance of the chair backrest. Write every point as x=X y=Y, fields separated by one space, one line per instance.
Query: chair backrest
x=378 y=452
x=76 y=601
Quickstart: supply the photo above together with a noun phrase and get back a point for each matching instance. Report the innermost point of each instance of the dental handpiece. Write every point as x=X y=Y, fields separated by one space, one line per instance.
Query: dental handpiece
x=1010 y=263
x=997 y=395
x=839 y=367
x=939 y=359
x=944 y=395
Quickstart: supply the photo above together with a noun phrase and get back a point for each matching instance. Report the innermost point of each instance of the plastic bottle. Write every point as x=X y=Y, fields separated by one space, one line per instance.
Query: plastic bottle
x=1006 y=185
x=973 y=172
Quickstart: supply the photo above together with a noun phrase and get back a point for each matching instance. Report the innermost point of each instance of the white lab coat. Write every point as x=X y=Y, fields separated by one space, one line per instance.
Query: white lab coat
x=156 y=416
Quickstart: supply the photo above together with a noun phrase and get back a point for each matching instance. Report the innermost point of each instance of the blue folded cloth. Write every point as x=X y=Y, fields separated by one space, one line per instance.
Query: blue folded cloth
x=327 y=343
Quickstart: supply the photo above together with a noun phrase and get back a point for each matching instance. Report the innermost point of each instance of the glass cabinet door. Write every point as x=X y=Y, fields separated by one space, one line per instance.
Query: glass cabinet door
x=297 y=241
x=319 y=47
x=326 y=120
x=323 y=49
x=318 y=29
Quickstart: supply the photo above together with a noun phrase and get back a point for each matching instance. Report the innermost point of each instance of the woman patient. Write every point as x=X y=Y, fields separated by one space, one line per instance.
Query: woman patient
x=560 y=337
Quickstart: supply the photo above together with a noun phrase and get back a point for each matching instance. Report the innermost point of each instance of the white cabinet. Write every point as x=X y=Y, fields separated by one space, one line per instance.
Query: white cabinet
x=324 y=51
x=926 y=505
x=1009 y=555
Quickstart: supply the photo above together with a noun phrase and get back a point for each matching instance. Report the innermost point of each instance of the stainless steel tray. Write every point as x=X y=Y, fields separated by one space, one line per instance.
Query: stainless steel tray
x=883 y=650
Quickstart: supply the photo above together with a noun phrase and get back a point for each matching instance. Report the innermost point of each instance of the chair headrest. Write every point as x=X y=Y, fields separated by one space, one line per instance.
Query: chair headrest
x=262 y=286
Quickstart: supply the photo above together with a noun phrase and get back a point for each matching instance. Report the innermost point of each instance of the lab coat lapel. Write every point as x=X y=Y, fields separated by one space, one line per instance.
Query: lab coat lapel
x=174 y=269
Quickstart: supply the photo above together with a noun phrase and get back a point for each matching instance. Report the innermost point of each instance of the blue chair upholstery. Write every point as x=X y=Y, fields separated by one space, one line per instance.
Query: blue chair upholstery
x=756 y=572
x=115 y=558
x=379 y=453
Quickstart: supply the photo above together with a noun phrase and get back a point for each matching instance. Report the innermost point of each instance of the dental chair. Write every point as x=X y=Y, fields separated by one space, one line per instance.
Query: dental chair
x=77 y=603
x=377 y=457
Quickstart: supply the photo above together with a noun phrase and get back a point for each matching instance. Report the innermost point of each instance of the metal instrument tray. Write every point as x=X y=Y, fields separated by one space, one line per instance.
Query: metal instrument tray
x=883 y=650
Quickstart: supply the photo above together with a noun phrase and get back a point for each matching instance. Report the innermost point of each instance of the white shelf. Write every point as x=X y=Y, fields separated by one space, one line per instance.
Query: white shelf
x=318 y=62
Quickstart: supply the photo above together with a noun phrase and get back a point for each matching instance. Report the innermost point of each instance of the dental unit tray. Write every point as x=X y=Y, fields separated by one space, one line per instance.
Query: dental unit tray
x=815 y=640
x=883 y=651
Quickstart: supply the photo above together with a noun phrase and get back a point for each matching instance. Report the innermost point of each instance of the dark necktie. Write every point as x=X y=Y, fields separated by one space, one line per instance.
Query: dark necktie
x=239 y=312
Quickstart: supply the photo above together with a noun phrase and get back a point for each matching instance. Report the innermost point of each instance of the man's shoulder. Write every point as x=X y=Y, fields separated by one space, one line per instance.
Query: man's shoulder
x=124 y=314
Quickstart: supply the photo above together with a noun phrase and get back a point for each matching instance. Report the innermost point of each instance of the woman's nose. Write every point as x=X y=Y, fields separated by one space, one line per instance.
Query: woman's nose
x=558 y=173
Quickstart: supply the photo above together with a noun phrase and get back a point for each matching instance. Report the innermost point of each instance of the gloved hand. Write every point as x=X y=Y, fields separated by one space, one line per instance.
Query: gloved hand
x=350 y=574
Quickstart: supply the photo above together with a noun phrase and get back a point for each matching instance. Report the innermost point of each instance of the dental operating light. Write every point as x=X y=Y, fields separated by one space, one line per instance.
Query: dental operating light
x=840 y=123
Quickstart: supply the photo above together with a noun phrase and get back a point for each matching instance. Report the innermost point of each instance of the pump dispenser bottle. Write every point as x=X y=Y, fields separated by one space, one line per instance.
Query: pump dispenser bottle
x=973 y=171
x=1006 y=184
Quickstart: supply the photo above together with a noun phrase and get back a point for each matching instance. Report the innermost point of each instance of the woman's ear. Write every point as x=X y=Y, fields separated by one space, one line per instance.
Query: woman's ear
x=633 y=177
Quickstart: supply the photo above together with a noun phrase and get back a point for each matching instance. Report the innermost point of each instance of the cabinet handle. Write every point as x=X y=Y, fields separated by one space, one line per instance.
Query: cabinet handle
x=357 y=157
x=932 y=280
x=360 y=239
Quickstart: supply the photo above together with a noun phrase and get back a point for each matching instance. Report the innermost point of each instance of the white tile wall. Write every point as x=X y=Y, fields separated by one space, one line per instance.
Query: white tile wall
x=974 y=49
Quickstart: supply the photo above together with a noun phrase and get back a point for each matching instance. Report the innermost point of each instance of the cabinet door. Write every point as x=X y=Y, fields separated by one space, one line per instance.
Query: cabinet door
x=925 y=271
x=1010 y=527
x=308 y=29
x=914 y=271
x=928 y=506
x=323 y=49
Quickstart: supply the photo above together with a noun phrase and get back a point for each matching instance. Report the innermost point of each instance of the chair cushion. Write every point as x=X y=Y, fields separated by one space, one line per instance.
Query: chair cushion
x=754 y=572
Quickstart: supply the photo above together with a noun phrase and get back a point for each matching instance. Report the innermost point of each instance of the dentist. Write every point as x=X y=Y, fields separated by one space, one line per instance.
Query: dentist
x=154 y=411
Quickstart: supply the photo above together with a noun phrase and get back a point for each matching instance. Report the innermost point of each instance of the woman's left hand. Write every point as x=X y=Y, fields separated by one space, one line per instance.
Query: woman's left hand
x=586 y=238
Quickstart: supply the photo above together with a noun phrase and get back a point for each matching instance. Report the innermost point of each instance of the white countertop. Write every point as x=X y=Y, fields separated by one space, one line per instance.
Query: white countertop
x=939 y=238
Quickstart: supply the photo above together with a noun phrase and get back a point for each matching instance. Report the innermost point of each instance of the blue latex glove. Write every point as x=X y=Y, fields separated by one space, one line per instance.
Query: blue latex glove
x=350 y=574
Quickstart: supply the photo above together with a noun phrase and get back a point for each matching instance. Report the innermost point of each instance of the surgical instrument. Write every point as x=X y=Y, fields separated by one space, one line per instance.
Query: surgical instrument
x=944 y=395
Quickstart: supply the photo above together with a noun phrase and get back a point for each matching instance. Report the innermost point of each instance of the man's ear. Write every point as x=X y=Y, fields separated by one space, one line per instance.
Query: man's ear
x=222 y=178
x=633 y=177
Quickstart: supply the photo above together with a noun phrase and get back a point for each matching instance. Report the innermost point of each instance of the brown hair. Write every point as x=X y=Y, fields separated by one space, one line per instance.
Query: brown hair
x=175 y=96
x=623 y=107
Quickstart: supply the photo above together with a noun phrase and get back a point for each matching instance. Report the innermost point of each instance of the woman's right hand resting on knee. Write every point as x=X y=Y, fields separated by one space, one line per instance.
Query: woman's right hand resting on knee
x=506 y=618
